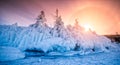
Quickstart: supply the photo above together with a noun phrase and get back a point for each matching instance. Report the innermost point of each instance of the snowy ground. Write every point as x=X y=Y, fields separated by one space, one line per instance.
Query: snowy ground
x=103 y=58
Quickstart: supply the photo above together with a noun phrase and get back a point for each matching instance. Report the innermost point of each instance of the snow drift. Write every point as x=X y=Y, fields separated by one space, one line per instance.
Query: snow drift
x=40 y=36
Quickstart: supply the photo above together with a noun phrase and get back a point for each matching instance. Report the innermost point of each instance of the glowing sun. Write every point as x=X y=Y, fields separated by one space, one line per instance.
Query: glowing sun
x=87 y=27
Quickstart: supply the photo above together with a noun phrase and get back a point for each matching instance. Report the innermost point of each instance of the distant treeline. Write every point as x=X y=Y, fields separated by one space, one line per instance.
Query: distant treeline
x=113 y=38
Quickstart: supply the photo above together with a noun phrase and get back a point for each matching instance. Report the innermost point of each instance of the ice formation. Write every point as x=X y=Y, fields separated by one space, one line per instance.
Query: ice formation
x=10 y=53
x=40 y=36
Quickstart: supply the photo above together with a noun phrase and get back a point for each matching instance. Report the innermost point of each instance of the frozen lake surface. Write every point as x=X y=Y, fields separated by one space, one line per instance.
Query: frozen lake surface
x=107 y=58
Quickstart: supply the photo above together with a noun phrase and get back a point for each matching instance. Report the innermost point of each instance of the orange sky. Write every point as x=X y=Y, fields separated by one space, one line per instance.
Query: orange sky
x=102 y=15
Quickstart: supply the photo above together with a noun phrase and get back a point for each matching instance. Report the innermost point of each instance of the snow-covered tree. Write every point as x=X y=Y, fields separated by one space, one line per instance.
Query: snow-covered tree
x=59 y=29
x=41 y=21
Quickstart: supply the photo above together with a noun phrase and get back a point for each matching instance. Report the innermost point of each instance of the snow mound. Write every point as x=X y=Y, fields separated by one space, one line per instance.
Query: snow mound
x=10 y=53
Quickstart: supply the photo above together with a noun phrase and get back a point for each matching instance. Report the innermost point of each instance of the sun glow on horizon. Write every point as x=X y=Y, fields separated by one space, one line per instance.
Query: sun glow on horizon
x=87 y=27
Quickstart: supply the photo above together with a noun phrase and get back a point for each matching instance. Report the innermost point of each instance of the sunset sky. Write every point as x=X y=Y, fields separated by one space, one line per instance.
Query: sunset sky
x=102 y=15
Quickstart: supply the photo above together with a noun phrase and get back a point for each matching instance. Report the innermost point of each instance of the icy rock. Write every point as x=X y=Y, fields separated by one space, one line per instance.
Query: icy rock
x=42 y=38
x=39 y=36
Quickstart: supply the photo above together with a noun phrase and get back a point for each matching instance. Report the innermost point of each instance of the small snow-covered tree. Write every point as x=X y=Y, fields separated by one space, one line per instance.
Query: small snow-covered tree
x=77 y=27
x=15 y=24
